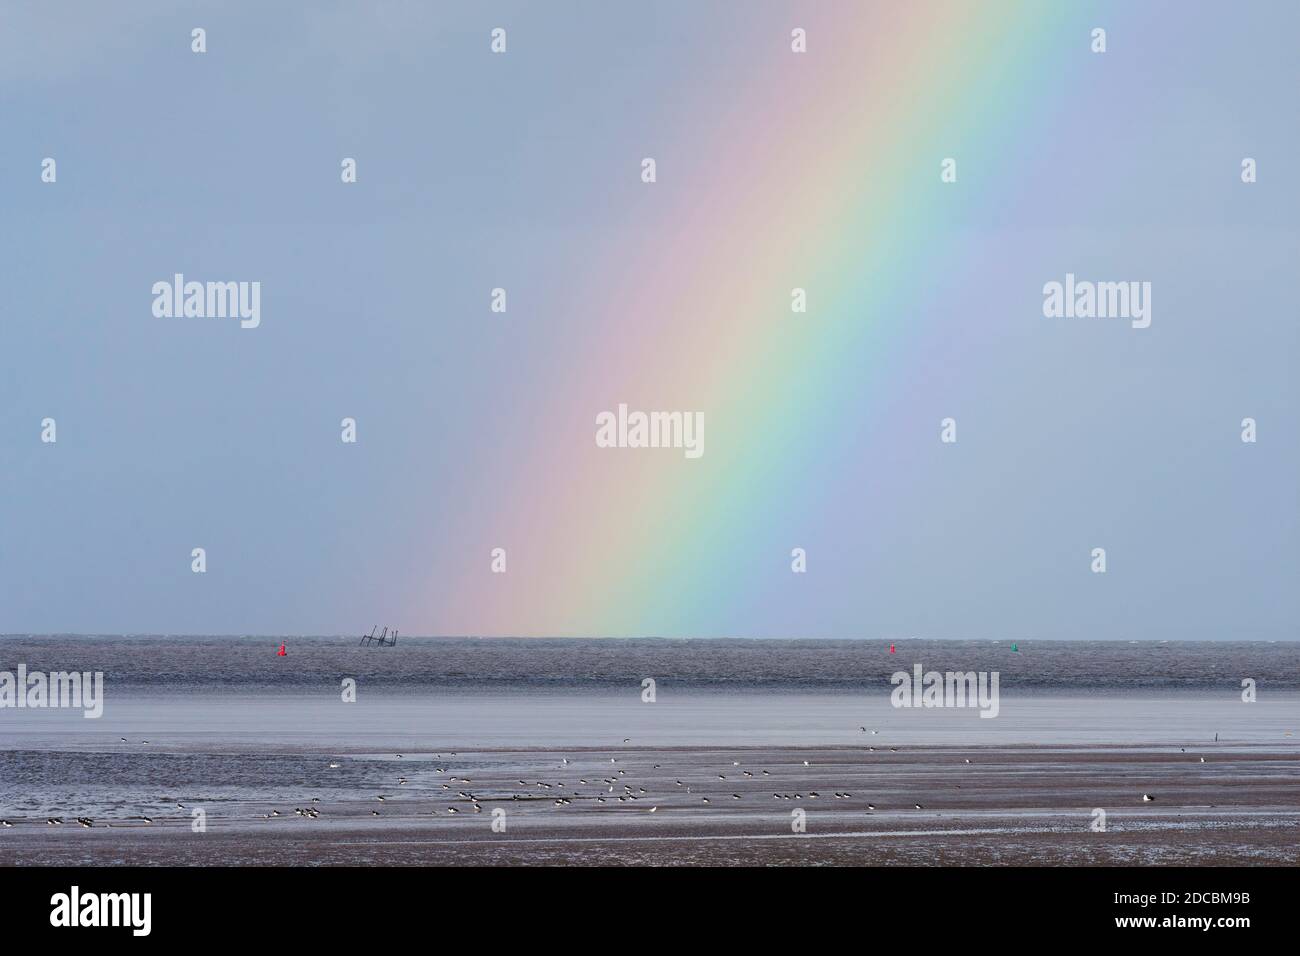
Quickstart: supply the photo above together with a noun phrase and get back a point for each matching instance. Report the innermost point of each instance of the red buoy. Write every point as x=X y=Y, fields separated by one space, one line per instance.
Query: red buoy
x=280 y=652
x=891 y=648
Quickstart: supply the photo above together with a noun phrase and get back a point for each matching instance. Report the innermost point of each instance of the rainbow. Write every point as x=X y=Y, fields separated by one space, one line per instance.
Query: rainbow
x=818 y=171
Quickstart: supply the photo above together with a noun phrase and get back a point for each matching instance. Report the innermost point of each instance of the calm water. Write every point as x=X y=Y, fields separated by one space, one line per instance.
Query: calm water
x=432 y=694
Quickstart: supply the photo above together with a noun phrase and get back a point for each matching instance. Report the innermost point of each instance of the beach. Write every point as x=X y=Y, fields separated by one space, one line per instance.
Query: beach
x=758 y=770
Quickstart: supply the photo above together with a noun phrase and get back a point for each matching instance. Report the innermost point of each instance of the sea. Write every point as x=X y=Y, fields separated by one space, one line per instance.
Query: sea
x=439 y=693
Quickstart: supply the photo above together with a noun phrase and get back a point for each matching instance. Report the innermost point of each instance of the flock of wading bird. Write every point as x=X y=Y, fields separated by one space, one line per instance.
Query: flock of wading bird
x=614 y=788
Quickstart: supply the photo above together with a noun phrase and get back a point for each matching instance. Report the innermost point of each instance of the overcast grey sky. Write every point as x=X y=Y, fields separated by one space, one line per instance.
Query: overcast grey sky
x=477 y=171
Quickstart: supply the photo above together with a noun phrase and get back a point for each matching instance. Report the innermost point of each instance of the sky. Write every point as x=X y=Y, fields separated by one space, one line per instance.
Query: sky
x=775 y=170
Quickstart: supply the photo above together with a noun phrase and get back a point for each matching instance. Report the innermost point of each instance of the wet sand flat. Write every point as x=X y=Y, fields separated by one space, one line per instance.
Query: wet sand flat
x=712 y=806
